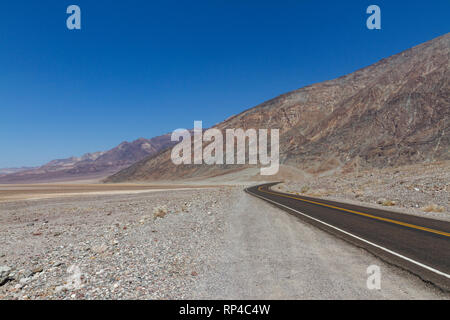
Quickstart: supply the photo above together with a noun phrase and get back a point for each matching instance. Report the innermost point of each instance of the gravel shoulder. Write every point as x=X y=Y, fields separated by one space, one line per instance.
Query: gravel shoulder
x=269 y=254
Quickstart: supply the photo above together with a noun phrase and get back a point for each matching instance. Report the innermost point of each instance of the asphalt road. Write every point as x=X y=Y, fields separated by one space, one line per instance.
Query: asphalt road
x=419 y=245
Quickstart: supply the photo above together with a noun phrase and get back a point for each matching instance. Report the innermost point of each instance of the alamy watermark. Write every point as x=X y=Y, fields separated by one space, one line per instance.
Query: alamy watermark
x=74 y=20
x=374 y=20
x=374 y=280
x=214 y=153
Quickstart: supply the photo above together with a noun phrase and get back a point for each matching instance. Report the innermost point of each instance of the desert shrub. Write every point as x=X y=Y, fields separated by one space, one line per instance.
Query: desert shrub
x=159 y=212
x=433 y=208
x=388 y=203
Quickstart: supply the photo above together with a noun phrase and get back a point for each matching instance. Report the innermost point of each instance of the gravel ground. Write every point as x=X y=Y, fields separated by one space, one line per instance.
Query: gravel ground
x=110 y=247
x=210 y=244
x=417 y=189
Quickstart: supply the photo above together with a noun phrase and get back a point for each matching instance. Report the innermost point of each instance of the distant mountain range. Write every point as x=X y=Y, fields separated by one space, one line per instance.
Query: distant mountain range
x=90 y=165
x=4 y=171
x=394 y=112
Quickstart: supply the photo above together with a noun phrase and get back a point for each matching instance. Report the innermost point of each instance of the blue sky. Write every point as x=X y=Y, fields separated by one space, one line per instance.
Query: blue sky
x=144 y=68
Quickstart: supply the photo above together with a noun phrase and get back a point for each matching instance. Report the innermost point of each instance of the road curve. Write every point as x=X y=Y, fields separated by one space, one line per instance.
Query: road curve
x=420 y=245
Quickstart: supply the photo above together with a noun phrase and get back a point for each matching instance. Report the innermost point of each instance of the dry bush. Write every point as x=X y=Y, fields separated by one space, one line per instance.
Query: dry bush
x=388 y=203
x=433 y=208
x=159 y=212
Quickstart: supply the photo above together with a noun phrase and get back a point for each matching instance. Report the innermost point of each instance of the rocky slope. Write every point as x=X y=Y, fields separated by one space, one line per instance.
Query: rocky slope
x=418 y=189
x=92 y=165
x=394 y=112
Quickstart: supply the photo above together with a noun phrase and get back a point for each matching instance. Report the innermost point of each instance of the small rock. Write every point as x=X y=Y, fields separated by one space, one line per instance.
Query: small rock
x=4 y=274
x=37 y=270
x=59 y=289
x=100 y=248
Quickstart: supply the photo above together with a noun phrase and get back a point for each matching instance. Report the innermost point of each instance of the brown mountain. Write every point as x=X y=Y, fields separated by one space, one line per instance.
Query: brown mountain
x=91 y=165
x=393 y=112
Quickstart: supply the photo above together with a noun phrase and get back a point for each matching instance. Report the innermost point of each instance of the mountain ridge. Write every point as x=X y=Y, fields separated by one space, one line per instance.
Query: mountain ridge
x=90 y=165
x=393 y=112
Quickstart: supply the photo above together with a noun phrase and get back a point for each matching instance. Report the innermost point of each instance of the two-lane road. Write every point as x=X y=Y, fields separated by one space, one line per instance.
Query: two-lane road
x=420 y=245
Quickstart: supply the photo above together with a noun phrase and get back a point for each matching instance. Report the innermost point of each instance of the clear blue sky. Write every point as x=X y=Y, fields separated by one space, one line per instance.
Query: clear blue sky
x=144 y=68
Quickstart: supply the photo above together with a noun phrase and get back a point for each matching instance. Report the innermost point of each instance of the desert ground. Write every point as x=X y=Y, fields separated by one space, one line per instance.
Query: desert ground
x=18 y=192
x=168 y=242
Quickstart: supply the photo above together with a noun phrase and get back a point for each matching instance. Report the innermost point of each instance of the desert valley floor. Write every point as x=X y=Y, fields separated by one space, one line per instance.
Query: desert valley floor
x=163 y=242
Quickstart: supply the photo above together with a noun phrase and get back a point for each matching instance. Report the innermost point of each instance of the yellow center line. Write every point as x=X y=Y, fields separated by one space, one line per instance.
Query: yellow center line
x=442 y=233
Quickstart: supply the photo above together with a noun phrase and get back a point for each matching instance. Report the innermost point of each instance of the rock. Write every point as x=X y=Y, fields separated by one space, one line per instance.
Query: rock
x=37 y=270
x=100 y=248
x=59 y=289
x=26 y=273
x=24 y=281
x=5 y=274
x=144 y=219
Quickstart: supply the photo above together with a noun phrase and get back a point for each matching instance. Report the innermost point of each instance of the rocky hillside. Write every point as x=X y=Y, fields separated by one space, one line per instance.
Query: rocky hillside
x=91 y=165
x=394 y=112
